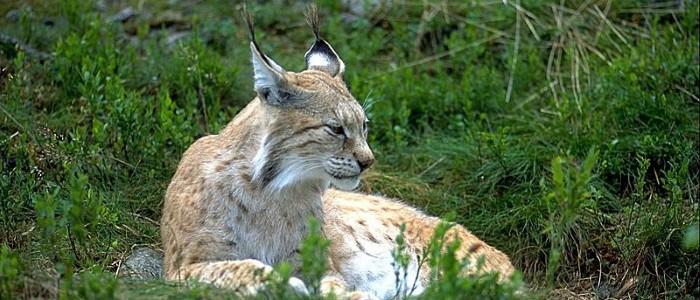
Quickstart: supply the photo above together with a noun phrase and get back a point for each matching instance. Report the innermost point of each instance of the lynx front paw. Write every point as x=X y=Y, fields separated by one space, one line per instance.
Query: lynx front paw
x=336 y=285
x=332 y=284
x=357 y=295
x=298 y=286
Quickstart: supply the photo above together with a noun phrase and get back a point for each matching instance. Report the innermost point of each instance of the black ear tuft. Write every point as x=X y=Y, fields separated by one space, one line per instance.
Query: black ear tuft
x=321 y=55
x=312 y=19
x=251 y=31
x=269 y=78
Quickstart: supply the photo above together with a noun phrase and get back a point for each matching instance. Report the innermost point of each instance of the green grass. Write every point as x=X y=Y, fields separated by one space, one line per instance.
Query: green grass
x=567 y=135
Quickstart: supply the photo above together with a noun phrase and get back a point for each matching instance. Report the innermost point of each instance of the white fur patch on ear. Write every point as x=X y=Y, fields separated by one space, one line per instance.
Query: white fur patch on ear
x=263 y=76
x=266 y=73
x=318 y=60
x=322 y=57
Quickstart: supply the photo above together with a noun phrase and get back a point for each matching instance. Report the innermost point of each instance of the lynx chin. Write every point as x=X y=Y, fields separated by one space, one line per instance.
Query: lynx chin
x=240 y=200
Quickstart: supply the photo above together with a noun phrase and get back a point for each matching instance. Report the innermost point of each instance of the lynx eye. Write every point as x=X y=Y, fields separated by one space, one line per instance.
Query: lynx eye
x=337 y=130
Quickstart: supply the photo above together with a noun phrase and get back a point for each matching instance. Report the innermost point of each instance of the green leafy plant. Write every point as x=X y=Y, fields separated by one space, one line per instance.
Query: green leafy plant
x=10 y=273
x=313 y=251
x=569 y=199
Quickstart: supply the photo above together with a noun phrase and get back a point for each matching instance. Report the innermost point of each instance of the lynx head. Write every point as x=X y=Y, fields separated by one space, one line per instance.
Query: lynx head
x=315 y=130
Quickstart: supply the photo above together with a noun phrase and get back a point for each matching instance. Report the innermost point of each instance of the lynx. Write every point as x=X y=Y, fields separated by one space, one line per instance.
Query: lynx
x=240 y=200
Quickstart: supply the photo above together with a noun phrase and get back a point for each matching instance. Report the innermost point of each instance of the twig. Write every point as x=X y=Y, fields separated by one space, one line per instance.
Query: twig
x=600 y=269
x=610 y=24
x=532 y=28
x=458 y=4
x=527 y=15
x=18 y=124
x=119 y=267
x=72 y=245
x=516 y=47
x=597 y=52
x=534 y=95
x=200 y=95
x=431 y=166
x=122 y=162
x=602 y=23
x=129 y=229
x=687 y=92
x=583 y=6
x=12 y=118
x=421 y=261
x=11 y=137
x=557 y=65
x=428 y=14
x=547 y=111
x=439 y=55
x=479 y=25
x=548 y=74
x=575 y=77
x=154 y=222
x=652 y=11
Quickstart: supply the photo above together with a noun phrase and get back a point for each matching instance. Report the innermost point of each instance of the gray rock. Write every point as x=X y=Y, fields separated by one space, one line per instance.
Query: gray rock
x=123 y=15
x=175 y=37
x=13 y=15
x=143 y=263
x=366 y=8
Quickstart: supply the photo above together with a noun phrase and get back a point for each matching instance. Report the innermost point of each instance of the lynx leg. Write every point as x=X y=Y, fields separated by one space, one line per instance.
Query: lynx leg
x=245 y=277
x=334 y=284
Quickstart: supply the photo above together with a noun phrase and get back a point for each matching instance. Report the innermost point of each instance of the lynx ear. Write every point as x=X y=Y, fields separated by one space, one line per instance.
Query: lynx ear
x=321 y=55
x=270 y=79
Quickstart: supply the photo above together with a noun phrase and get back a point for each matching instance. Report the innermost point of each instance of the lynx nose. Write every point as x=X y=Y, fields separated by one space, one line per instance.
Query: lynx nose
x=365 y=163
x=363 y=155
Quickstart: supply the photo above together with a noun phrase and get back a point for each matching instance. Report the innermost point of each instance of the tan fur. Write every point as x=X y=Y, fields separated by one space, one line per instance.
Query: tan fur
x=371 y=219
x=240 y=200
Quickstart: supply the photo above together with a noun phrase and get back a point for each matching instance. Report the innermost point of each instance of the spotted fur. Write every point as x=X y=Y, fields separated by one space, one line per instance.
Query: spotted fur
x=239 y=200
